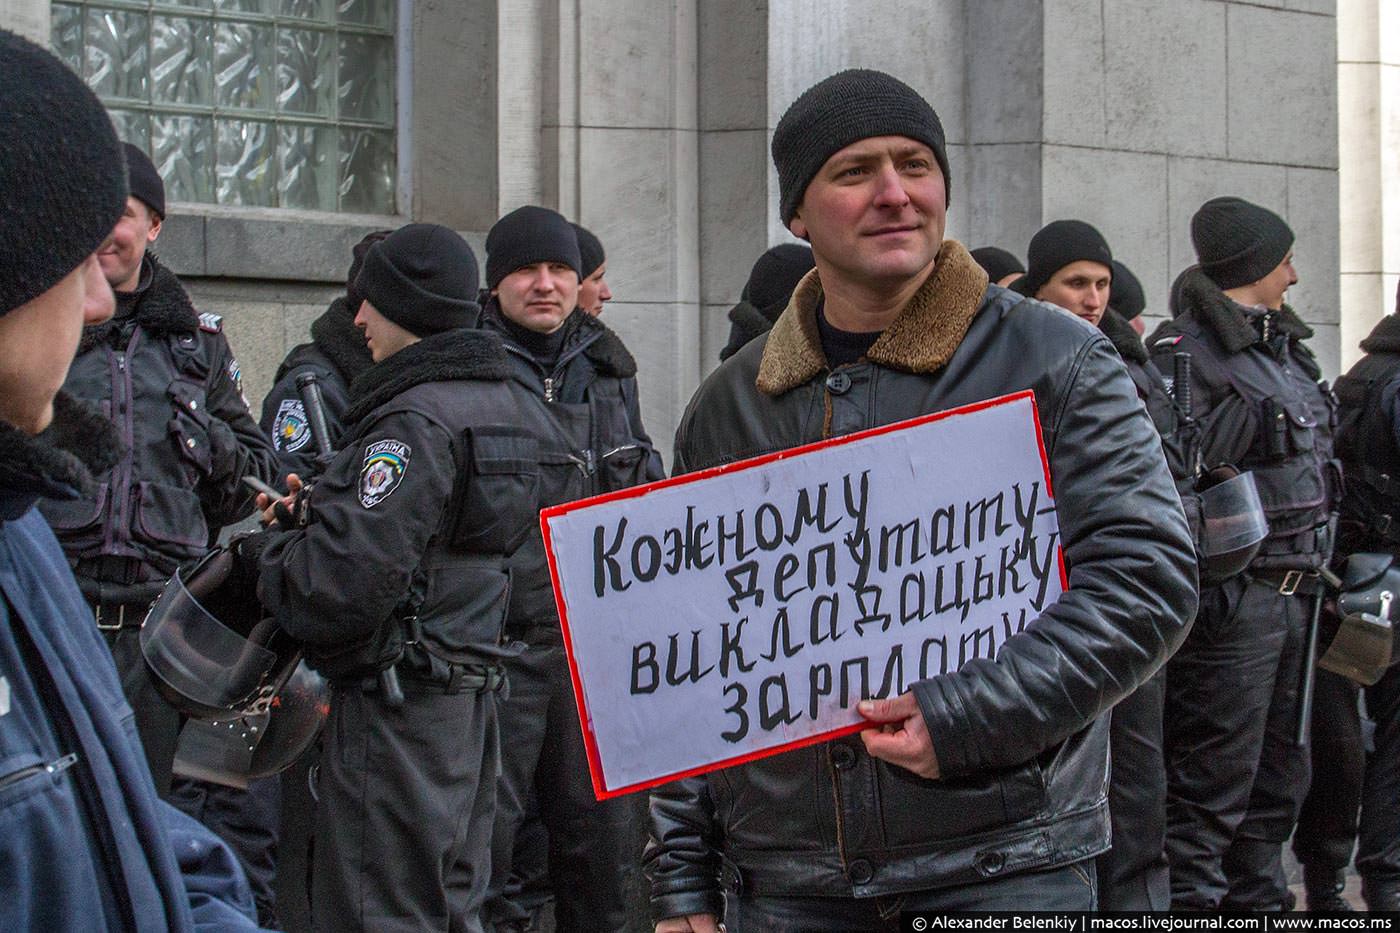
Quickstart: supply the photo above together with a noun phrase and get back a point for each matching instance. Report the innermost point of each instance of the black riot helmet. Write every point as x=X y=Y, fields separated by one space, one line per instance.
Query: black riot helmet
x=257 y=745
x=1233 y=523
x=210 y=650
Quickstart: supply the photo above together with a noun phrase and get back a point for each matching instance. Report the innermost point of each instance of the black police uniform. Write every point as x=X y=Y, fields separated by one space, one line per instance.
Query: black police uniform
x=1235 y=775
x=335 y=355
x=1368 y=443
x=582 y=406
x=1133 y=874
x=402 y=564
x=165 y=376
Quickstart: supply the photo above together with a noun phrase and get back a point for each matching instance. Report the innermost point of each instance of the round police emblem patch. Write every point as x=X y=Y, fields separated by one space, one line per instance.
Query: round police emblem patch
x=290 y=431
x=385 y=464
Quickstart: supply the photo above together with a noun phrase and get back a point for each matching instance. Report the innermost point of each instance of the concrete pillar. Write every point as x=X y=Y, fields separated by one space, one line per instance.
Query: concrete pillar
x=1368 y=79
x=29 y=18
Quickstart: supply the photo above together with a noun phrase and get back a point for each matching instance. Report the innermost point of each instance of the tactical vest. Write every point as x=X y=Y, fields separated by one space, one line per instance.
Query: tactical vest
x=1370 y=512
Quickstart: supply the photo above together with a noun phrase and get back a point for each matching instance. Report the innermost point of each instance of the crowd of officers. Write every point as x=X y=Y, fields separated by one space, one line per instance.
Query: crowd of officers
x=456 y=794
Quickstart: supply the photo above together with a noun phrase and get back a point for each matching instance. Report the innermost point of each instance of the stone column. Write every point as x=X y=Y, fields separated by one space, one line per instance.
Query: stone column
x=1368 y=79
x=29 y=18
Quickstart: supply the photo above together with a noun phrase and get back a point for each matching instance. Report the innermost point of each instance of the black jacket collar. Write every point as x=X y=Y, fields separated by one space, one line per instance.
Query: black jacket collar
x=1120 y=333
x=334 y=333
x=460 y=354
x=58 y=463
x=164 y=307
x=590 y=336
x=1384 y=337
x=1226 y=319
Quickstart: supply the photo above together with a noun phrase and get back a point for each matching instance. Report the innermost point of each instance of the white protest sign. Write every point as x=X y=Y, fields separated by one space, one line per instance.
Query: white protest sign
x=744 y=610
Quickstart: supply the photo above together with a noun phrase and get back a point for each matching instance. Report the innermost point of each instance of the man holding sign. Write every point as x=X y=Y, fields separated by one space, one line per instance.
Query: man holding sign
x=983 y=787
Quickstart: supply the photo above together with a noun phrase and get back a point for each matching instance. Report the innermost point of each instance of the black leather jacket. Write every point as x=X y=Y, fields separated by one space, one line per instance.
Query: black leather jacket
x=1020 y=742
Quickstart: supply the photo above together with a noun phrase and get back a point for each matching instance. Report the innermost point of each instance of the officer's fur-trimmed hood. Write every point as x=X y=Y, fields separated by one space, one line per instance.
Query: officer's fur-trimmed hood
x=606 y=350
x=165 y=307
x=459 y=354
x=920 y=340
x=1226 y=319
x=1125 y=340
x=334 y=333
x=61 y=461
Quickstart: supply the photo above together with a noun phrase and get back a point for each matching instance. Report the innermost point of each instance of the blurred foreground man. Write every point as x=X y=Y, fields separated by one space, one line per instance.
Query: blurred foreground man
x=982 y=788
x=1235 y=770
x=84 y=841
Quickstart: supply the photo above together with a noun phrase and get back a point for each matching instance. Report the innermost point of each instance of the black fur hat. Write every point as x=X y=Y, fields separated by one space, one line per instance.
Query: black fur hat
x=62 y=172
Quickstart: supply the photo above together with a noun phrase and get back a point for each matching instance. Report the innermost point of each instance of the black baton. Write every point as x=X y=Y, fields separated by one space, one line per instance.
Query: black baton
x=311 y=400
x=1308 y=675
x=1181 y=383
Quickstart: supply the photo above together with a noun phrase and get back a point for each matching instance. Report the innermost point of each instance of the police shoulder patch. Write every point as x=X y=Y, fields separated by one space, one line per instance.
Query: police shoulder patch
x=386 y=462
x=210 y=323
x=290 y=430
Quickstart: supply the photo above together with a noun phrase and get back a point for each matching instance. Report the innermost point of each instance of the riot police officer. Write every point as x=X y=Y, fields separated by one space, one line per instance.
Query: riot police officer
x=1236 y=773
x=166 y=377
x=1368 y=443
x=575 y=383
x=395 y=578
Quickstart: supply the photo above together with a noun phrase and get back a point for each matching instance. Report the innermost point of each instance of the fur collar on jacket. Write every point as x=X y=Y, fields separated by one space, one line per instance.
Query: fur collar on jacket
x=334 y=333
x=61 y=461
x=460 y=354
x=165 y=307
x=921 y=340
x=1226 y=319
x=1125 y=340
x=1384 y=337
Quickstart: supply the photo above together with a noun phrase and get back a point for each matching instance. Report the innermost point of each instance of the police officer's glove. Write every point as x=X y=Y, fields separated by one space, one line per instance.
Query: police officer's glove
x=247 y=550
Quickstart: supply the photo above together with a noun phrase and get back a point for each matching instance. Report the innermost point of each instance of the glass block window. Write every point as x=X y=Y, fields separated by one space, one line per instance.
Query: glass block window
x=264 y=103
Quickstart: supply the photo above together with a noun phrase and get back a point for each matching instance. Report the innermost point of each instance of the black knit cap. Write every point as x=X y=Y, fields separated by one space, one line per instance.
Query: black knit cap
x=357 y=262
x=422 y=277
x=528 y=235
x=1238 y=242
x=145 y=182
x=775 y=275
x=997 y=262
x=62 y=175
x=1126 y=296
x=845 y=108
x=1056 y=245
x=590 y=251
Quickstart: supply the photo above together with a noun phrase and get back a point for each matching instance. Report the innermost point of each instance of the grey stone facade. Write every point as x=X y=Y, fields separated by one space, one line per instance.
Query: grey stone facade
x=649 y=120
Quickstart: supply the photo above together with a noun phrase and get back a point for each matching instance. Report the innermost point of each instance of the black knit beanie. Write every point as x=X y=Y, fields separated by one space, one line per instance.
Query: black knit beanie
x=528 y=235
x=845 y=108
x=1126 y=295
x=1056 y=245
x=590 y=251
x=423 y=278
x=1238 y=242
x=144 y=180
x=775 y=275
x=62 y=175
x=357 y=262
x=997 y=262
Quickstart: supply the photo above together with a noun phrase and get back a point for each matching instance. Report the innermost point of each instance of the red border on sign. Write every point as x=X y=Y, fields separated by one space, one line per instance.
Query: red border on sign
x=595 y=766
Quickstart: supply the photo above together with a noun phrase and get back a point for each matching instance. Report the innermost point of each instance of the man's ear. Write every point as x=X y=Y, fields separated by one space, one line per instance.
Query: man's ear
x=156 y=222
x=797 y=227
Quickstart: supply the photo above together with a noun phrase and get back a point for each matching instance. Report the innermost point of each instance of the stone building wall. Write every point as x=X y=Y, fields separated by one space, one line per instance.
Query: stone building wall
x=649 y=121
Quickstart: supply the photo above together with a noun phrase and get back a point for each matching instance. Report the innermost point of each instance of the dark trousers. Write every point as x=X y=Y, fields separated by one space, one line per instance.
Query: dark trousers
x=1327 y=824
x=1235 y=777
x=1378 y=856
x=157 y=722
x=1133 y=874
x=247 y=820
x=407 y=798
x=594 y=846
x=1070 y=888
